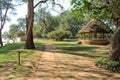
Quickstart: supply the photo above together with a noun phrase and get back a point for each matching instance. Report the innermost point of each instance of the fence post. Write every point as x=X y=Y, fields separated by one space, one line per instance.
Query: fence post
x=19 y=61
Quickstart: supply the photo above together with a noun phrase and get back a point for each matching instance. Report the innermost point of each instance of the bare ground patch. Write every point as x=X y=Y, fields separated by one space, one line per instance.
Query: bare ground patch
x=59 y=66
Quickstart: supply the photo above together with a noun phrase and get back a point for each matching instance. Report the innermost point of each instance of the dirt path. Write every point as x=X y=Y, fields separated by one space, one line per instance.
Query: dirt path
x=47 y=67
x=60 y=66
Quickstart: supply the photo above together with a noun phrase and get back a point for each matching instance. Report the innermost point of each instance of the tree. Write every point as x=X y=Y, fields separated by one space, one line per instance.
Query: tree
x=44 y=22
x=5 y=37
x=106 y=11
x=70 y=22
x=21 y=24
x=16 y=30
x=22 y=28
x=59 y=35
x=29 y=25
x=29 y=44
x=13 y=32
x=5 y=5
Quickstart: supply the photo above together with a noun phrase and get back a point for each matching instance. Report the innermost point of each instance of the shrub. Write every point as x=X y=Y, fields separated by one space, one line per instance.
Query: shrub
x=59 y=35
x=108 y=64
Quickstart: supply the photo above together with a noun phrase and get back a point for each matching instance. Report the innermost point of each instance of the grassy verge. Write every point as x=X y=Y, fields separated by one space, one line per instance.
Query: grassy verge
x=71 y=47
x=9 y=60
x=9 y=52
x=108 y=64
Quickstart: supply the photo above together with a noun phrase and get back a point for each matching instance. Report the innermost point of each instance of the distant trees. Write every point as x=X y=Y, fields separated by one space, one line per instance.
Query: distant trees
x=16 y=31
x=5 y=7
x=70 y=23
x=46 y=24
x=59 y=35
x=22 y=29
x=12 y=32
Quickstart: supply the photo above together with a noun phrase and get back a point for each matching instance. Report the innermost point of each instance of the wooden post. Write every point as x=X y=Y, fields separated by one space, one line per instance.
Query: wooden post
x=19 y=52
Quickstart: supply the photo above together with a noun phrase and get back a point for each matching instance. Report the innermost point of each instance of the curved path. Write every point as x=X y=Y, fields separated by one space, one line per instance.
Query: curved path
x=59 y=66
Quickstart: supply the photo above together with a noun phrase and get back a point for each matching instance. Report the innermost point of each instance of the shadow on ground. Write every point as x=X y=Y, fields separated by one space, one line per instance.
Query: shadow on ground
x=81 y=50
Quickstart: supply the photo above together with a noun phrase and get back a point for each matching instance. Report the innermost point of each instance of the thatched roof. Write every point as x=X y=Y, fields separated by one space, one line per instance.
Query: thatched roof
x=94 y=26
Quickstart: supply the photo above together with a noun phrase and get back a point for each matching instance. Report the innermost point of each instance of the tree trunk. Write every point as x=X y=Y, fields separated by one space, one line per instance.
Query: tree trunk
x=29 y=21
x=1 y=43
x=115 y=45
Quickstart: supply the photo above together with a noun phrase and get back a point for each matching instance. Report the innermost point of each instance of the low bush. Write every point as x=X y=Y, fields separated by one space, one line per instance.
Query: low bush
x=59 y=35
x=108 y=64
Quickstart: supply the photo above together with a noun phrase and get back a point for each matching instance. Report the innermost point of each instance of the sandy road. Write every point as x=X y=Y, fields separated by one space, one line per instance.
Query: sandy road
x=61 y=66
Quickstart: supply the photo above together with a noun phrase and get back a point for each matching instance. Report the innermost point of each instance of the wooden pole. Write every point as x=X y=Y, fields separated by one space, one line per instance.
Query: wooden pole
x=19 y=58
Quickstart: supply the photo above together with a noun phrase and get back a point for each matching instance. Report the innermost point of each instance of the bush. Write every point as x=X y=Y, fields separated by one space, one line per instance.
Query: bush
x=59 y=35
x=108 y=64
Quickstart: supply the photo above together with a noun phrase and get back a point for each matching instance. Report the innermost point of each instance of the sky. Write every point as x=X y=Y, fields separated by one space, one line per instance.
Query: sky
x=22 y=11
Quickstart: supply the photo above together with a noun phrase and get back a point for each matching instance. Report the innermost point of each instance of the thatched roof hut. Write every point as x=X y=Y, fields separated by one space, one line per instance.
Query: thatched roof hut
x=95 y=32
x=94 y=26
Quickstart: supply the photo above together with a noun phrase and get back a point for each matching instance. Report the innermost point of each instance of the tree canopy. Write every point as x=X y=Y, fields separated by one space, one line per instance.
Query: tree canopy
x=104 y=10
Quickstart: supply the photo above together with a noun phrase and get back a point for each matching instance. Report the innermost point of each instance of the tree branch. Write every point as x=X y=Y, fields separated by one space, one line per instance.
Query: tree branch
x=3 y=20
x=53 y=2
x=56 y=4
x=40 y=2
x=44 y=23
x=0 y=18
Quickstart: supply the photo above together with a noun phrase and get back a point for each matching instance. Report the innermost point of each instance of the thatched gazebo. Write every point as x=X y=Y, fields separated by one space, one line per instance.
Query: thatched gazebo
x=96 y=32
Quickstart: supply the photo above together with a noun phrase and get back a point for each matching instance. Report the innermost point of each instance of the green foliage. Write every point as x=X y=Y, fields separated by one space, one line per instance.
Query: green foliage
x=104 y=10
x=13 y=28
x=17 y=30
x=44 y=19
x=20 y=34
x=59 y=35
x=46 y=23
x=70 y=22
x=81 y=36
x=5 y=36
x=12 y=32
x=38 y=31
x=21 y=24
x=107 y=64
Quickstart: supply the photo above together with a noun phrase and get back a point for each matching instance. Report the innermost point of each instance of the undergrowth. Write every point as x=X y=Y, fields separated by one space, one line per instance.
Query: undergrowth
x=108 y=64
